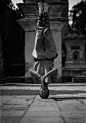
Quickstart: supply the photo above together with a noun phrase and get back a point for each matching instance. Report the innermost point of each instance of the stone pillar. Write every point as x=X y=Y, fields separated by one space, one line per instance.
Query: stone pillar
x=58 y=13
x=29 y=27
x=69 y=52
x=56 y=27
x=1 y=61
x=82 y=53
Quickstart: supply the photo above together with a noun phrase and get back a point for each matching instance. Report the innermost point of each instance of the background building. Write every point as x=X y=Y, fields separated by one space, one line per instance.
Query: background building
x=17 y=44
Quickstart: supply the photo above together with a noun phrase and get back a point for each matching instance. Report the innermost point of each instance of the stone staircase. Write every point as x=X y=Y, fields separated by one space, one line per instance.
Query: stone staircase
x=79 y=78
x=77 y=74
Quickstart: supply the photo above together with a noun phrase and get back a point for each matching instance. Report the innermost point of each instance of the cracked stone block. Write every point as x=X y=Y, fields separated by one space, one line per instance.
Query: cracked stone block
x=52 y=119
x=10 y=119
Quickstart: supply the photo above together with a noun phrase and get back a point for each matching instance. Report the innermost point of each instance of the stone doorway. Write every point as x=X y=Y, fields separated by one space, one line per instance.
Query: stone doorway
x=13 y=54
x=85 y=51
x=64 y=54
x=76 y=55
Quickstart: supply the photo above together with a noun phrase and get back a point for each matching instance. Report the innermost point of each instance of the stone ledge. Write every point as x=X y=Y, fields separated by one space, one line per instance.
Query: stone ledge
x=53 y=2
x=28 y=80
x=16 y=80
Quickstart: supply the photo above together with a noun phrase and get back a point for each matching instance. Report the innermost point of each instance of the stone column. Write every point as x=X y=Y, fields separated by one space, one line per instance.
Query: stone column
x=57 y=28
x=69 y=53
x=1 y=61
x=29 y=27
x=82 y=50
x=69 y=57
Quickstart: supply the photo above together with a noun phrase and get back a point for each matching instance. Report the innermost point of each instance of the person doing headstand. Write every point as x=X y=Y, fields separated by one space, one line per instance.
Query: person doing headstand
x=44 y=51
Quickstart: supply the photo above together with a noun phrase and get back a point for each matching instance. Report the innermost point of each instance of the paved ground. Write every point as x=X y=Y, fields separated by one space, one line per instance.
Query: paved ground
x=22 y=104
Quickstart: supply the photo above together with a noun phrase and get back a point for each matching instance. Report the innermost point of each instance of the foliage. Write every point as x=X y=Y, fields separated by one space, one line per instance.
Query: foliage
x=78 y=15
x=5 y=5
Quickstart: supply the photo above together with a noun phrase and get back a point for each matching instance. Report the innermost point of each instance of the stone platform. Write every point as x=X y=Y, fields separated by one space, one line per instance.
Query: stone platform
x=20 y=103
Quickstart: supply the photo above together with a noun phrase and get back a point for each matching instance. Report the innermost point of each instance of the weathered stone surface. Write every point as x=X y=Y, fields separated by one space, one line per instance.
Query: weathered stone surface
x=57 y=10
x=75 y=57
x=66 y=103
x=10 y=119
x=47 y=1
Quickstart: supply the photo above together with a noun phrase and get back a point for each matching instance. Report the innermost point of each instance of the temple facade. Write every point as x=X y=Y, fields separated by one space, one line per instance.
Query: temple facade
x=74 y=56
x=71 y=48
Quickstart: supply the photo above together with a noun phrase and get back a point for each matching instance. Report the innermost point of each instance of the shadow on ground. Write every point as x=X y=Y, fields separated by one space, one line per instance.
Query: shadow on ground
x=18 y=92
x=67 y=98
x=57 y=92
x=67 y=95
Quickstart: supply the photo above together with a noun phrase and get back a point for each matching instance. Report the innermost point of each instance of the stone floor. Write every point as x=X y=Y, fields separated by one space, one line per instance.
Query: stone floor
x=21 y=103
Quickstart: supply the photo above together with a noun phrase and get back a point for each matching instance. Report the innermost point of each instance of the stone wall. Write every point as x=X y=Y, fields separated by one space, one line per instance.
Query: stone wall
x=1 y=61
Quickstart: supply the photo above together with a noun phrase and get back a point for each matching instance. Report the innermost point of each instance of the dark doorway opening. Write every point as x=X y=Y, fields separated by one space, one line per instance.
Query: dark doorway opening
x=64 y=53
x=76 y=55
x=14 y=61
x=13 y=47
x=85 y=51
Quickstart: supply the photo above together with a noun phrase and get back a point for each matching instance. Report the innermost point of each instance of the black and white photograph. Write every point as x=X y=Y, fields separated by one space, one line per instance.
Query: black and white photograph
x=42 y=61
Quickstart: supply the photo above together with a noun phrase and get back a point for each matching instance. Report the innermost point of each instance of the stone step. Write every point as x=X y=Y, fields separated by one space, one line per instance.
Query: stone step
x=79 y=79
x=16 y=79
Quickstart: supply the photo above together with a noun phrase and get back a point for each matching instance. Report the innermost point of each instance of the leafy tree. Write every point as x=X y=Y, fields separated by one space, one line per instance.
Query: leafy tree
x=5 y=5
x=78 y=15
